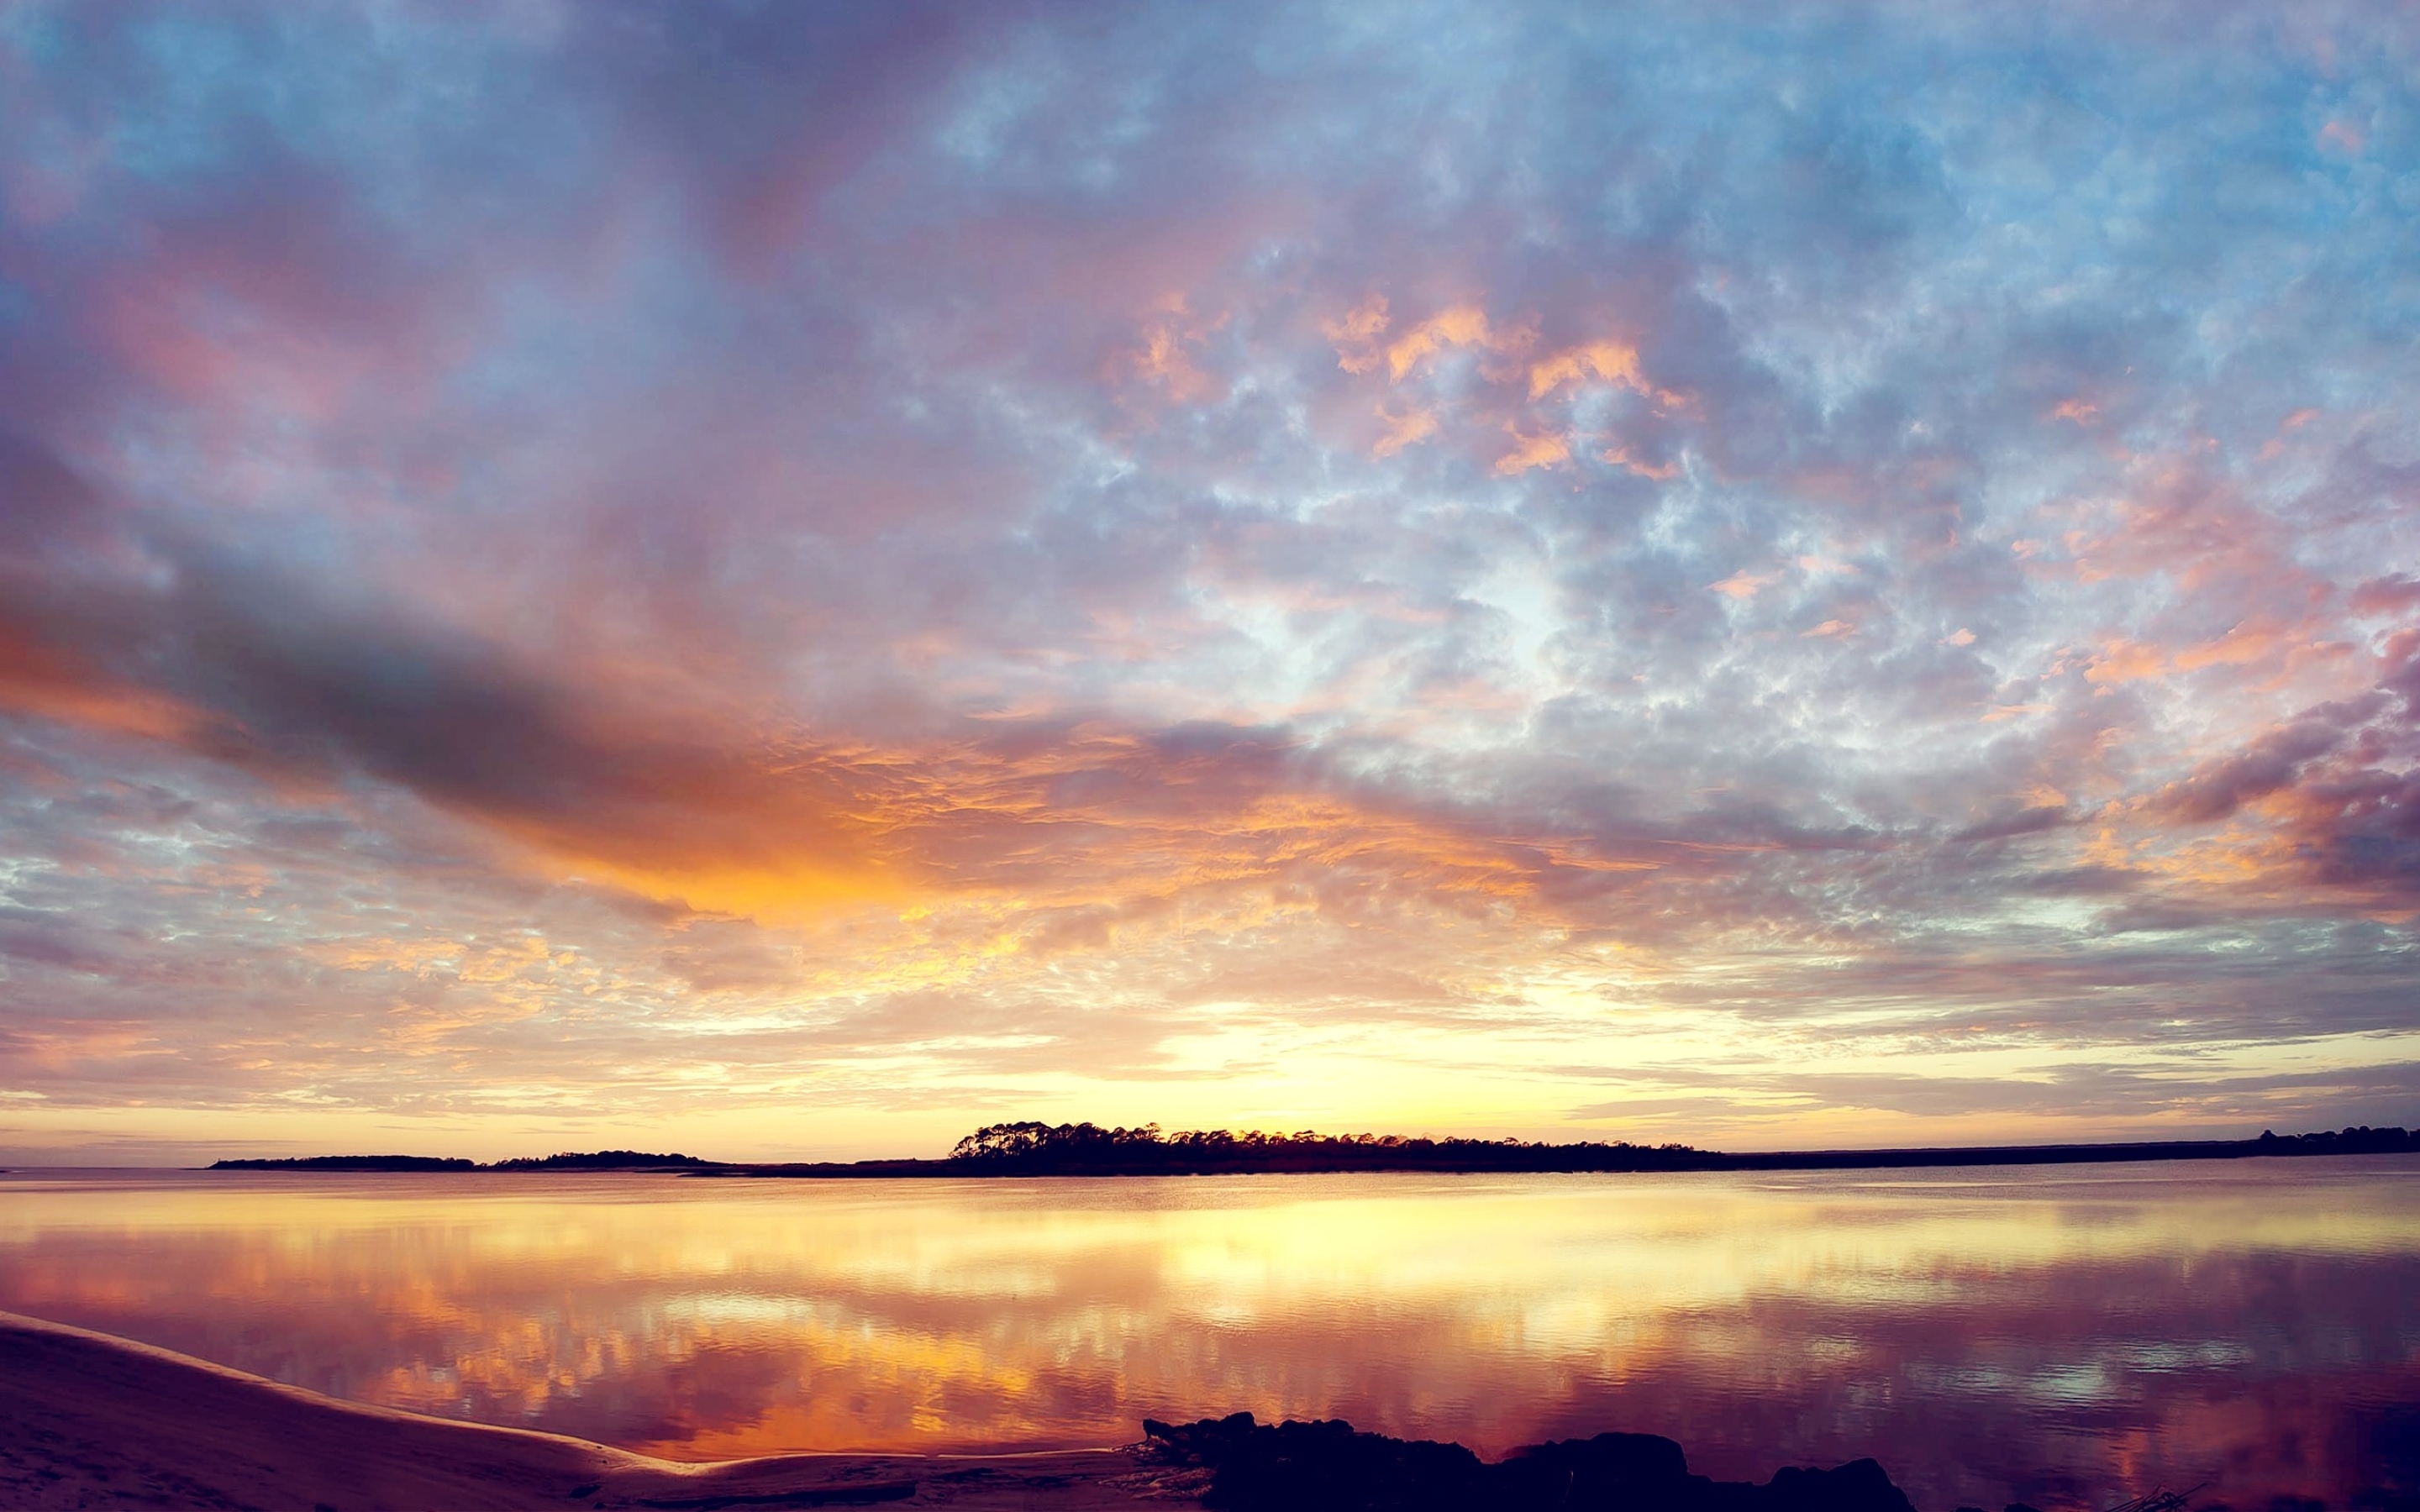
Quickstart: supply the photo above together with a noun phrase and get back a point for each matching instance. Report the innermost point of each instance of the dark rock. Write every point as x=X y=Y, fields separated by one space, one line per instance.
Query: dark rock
x=1858 y=1486
x=1326 y=1465
x=1610 y=1471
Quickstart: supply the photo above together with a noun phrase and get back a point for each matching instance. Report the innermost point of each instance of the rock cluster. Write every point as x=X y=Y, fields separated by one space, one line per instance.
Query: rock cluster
x=1328 y=1466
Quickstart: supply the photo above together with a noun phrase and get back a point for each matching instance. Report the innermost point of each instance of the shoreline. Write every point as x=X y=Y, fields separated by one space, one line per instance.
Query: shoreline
x=91 y=1420
x=1348 y=1159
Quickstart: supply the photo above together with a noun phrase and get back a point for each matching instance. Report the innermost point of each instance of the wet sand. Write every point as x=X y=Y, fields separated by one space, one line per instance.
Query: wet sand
x=87 y=1420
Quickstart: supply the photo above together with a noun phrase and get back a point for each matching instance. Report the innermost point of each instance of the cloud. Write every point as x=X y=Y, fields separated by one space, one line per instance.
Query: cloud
x=1658 y=471
x=1355 y=335
x=1409 y=428
x=1745 y=584
x=1528 y=452
x=2218 y=789
x=1459 y=325
x=1608 y=361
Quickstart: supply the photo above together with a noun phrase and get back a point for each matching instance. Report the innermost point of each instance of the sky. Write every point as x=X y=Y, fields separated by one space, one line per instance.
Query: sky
x=781 y=581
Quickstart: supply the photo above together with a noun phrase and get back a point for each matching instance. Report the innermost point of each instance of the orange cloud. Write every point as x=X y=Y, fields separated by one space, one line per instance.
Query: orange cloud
x=1355 y=335
x=1461 y=325
x=1611 y=361
x=1163 y=361
x=41 y=681
x=1620 y=457
x=2247 y=642
x=2125 y=661
x=1166 y=357
x=1407 y=429
x=1540 y=450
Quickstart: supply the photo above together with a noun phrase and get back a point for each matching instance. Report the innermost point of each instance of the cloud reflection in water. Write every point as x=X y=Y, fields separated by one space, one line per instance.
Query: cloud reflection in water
x=2057 y=1337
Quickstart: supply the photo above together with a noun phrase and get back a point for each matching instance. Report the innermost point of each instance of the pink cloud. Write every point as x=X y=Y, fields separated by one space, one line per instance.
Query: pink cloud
x=1745 y=584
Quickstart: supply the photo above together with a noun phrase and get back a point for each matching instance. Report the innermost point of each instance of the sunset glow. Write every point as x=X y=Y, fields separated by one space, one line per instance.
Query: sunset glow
x=789 y=583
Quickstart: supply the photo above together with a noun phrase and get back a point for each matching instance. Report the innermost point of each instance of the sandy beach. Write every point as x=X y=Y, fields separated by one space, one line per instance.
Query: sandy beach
x=87 y=1420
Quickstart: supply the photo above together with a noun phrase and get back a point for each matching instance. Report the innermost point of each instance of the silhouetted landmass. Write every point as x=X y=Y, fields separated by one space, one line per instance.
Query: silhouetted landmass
x=1079 y=1149
x=602 y=1160
x=348 y=1163
x=1028 y=1149
x=1328 y=1466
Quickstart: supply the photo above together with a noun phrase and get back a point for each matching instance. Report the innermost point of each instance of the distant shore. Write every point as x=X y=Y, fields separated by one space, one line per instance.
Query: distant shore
x=1122 y=1157
x=1551 y=1159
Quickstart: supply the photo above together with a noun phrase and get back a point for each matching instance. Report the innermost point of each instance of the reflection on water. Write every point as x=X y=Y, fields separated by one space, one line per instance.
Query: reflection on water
x=2056 y=1336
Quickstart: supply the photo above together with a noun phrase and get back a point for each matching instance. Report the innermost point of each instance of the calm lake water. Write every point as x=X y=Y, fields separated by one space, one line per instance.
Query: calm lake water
x=2065 y=1336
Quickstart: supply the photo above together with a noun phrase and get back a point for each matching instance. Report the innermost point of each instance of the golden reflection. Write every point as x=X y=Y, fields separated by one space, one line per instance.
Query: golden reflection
x=2048 y=1337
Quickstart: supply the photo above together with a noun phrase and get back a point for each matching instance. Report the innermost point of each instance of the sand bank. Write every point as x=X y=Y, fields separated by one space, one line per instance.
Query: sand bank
x=91 y=1421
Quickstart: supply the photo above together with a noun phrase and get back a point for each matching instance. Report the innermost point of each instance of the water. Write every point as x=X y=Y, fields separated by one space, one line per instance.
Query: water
x=2065 y=1336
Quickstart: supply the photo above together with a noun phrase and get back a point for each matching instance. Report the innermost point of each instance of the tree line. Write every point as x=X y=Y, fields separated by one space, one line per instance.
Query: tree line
x=1033 y=1147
